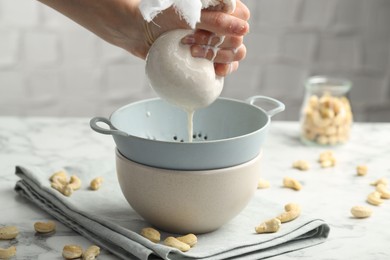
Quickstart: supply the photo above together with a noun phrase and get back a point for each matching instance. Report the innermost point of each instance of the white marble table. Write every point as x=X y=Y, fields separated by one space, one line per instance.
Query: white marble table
x=327 y=193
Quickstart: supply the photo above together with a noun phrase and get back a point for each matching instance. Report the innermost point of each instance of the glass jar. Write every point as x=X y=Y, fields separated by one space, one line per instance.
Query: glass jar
x=326 y=115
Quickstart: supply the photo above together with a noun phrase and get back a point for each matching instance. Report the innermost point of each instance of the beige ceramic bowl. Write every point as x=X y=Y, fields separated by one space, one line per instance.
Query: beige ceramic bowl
x=187 y=201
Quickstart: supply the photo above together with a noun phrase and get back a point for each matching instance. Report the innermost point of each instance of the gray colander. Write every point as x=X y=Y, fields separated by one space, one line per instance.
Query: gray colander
x=226 y=133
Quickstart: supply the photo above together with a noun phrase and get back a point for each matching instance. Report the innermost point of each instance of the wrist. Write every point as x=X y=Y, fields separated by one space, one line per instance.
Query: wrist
x=133 y=30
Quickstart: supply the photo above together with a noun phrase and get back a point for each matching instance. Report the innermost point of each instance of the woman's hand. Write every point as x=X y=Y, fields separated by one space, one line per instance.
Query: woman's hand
x=120 y=22
x=214 y=27
x=232 y=27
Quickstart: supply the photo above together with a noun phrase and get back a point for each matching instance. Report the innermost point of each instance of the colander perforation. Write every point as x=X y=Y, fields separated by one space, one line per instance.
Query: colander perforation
x=196 y=137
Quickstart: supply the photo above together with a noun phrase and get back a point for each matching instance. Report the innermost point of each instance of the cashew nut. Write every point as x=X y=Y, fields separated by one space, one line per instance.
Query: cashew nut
x=374 y=198
x=326 y=155
x=269 y=226
x=67 y=190
x=91 y=253
x=6 y=253
x=361 y=170
x=151 y=234
x=45 y=227
x=263 y=184
x=60 y=183
x=58 y=186
x=96 y=183
x=72 y=251
x=75 y=182
x=60 y=176
x=361 y=211
x=8 y=232
x=173 y=242
x=328 y=163
x=382 y=189
x=301 y=165
x=189 y=239
x=327 y=159
x=292 y=211
x=64 y=189
x=380 y=181
x=292 y=183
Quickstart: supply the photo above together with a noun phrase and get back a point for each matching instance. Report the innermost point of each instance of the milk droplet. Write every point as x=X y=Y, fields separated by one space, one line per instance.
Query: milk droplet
x=215 y=49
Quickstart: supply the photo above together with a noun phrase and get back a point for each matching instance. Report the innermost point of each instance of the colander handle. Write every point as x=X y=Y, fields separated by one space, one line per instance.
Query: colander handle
x=279 y=105
x=112 y=131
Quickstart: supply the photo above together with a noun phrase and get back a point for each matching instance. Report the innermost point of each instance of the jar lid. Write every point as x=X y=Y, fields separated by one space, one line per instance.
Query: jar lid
x=336 y=86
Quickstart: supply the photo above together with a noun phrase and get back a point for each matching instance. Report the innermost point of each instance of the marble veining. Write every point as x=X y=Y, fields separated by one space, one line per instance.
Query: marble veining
x=329 y=192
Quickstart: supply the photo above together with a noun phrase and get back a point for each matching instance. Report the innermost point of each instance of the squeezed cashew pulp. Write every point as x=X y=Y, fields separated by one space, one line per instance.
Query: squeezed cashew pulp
x=182 y=80
x=227 y=5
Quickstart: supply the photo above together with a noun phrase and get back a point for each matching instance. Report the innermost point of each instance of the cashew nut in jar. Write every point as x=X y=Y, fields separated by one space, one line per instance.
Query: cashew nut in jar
x=326 y=116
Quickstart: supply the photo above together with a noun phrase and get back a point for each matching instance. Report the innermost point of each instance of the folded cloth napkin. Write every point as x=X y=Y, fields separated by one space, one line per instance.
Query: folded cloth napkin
x=105 y=218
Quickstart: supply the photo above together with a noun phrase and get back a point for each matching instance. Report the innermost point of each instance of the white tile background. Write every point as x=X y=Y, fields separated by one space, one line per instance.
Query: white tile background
x=51 y=66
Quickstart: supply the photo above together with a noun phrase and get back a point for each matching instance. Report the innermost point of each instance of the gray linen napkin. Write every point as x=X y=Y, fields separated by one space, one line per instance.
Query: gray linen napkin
x=105 y=217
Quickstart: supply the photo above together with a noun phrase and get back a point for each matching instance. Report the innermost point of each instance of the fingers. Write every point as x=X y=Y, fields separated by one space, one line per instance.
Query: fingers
x=223 y=69
x=218 y=55
x=226 y=51
x=222 y=23
x=205 y=44
x=241 y=11
x=202 y=37
x=205 y=39
x=226 y=24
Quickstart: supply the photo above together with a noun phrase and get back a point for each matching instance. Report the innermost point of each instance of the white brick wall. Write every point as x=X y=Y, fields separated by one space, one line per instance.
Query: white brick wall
x=40 y=48
x=53 y=67
x=9 y=47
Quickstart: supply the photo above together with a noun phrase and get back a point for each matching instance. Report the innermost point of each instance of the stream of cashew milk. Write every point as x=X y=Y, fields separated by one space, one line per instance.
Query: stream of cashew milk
x=191 y=112
x=190 y=124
